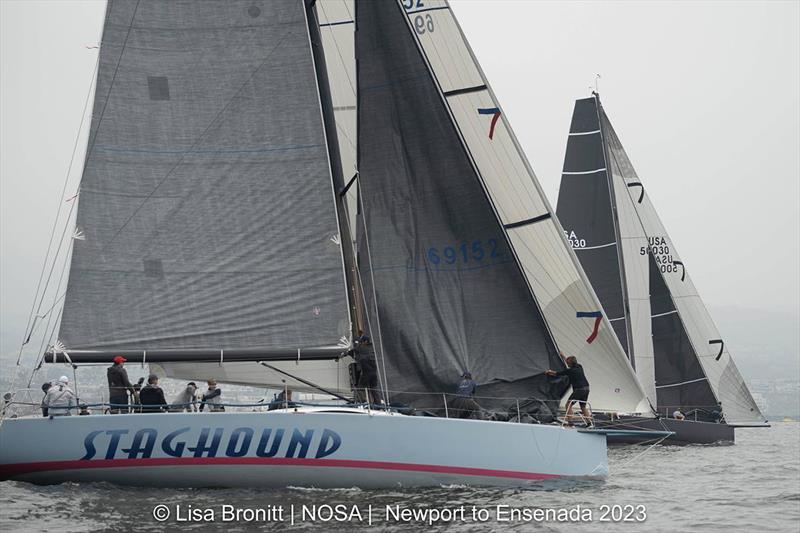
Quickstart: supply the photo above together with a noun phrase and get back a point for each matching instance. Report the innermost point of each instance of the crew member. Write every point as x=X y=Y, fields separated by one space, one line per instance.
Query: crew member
x=60 y=399
x=118 y=386
x=368 y=372
x=212 y=397
x=152 y=396
x=464 y=404
x=45 y=387
x=186 y=400
x=580 y=385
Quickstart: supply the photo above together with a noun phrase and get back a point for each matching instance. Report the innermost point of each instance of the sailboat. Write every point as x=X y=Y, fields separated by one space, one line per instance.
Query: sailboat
x=645 y=288
x=216 y=242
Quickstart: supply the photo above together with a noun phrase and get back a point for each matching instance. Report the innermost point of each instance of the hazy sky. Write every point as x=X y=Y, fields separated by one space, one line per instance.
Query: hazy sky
x=705 y=96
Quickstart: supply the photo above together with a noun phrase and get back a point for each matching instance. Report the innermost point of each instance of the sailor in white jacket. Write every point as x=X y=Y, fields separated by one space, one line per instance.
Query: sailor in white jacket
x=60 y=399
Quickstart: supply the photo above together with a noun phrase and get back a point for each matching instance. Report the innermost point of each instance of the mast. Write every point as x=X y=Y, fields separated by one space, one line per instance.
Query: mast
x=617 y=236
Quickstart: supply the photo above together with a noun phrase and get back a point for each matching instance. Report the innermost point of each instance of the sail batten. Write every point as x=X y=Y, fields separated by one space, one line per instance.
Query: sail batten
x=207 y=199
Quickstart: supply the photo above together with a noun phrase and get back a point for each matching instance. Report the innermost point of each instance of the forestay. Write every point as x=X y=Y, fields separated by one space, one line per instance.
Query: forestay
x=538 y=245
x=718 y=366
x=206 y=206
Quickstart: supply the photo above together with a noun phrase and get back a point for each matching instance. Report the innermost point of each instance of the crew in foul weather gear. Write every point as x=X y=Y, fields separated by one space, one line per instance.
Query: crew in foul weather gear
x=118 y=386
x=60 y=399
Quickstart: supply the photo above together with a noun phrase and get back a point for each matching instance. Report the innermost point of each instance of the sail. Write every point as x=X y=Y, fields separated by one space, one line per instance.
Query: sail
x=207 y=213
x=329 y=375
x=604 y=230
x=336 y=19
x=680 y=380
x=586 y=210
x=449 y=294
x=708 y=347
x=470 y=268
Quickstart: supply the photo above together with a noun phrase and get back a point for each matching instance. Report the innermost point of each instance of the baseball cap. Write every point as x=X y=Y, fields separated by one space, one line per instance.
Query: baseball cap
x=119 y=359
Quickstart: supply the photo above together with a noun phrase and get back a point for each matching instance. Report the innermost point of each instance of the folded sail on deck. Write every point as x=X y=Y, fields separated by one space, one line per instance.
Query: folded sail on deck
x=467 y=261
x=207 y=204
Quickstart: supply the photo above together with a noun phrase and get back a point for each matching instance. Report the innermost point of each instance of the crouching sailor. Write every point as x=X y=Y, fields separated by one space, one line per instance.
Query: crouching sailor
x=60 y=399
x=464 y=403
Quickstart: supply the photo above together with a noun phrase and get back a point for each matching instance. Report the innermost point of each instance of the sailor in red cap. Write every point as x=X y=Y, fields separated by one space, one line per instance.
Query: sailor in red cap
x=118 y=386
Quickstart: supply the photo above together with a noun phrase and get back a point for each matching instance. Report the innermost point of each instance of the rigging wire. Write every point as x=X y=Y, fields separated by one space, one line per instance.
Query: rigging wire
x=344 y=68
x=35 y=311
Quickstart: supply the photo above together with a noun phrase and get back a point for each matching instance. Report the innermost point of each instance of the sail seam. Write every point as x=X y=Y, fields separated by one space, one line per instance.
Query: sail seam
x=681 y=383
x=339 y=23
x=664 y=314
x=612 y=243
x=465 y=90
x=527 y=222
x=427 y=9
x=595 y=171
x=576 y=133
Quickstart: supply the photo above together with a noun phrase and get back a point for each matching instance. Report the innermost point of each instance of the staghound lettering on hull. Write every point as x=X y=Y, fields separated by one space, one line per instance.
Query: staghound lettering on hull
x=211 y=442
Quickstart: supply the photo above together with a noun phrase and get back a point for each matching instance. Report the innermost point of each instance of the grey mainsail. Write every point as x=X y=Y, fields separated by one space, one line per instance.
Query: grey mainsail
x=449 y=295
x=207 y=202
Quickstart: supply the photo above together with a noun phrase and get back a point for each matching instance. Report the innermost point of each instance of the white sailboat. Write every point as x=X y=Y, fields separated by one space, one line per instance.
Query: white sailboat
x=217 y=244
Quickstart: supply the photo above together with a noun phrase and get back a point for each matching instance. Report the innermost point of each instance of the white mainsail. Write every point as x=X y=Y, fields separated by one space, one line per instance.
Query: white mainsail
x=633 y=241
x=550 y=267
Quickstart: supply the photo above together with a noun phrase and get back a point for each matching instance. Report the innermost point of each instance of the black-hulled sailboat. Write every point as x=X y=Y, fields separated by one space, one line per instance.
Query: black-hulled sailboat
x=645 y=288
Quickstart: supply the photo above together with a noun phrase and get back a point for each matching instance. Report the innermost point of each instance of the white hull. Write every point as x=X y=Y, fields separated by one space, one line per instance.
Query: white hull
x=318 y=448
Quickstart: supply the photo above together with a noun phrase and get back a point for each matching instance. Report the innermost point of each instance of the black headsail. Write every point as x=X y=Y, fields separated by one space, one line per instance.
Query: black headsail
x=207 y=208
x=680 y=380
x=586 y=209
x=448 y=292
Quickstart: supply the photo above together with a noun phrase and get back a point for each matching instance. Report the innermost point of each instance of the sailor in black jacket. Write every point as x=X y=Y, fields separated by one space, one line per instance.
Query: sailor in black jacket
x=578 y=382
x=152 y=396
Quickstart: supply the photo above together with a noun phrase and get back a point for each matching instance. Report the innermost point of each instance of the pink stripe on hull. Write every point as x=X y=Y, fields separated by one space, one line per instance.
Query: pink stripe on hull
x=12 y=470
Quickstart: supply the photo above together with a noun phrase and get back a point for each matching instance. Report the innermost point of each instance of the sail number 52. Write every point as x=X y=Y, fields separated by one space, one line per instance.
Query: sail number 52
x=422 y=23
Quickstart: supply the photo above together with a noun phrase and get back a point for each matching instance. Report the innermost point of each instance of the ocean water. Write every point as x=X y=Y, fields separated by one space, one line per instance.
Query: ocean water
x=753 y=485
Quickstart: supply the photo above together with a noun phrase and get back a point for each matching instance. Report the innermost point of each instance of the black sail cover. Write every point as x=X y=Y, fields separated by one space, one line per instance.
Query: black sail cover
x=585 y=211
x=680 y=380
x=206 y=205
x=448 y=291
